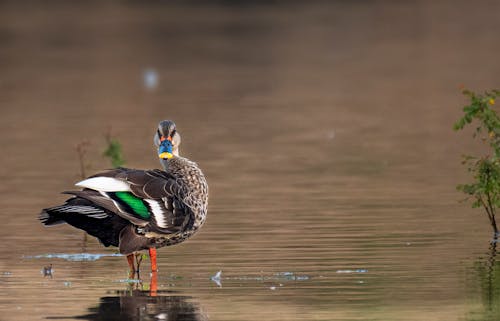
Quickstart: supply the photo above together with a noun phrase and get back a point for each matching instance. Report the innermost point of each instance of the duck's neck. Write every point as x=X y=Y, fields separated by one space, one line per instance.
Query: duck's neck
x=165 y=164
x=165 y=161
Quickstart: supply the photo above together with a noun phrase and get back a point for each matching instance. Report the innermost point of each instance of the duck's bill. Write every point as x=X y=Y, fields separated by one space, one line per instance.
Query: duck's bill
x=165 y=155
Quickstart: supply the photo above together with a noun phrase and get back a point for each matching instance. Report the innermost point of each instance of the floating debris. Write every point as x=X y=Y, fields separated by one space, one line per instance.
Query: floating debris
x=72 y=257
x=67 y=283
x=161 y=316
x=6 y=273
x=272 y=288
x=353 y=271
x=217 y=278
x=47 y=271
x=291 y=276
x=129 y=281
x=280 y=276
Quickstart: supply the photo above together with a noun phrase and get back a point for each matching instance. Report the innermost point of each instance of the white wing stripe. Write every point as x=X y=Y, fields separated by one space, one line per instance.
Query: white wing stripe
x=158 y=213
x=104 y=184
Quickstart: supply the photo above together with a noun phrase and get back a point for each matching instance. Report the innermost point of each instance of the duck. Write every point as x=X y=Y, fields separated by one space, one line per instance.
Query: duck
x=139 y=210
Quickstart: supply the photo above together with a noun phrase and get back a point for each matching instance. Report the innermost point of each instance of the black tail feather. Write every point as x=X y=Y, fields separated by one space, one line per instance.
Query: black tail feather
x=49 y=219
x=84 y=215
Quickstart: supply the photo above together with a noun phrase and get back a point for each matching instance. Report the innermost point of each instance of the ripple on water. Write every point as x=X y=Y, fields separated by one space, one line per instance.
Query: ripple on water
x=74 y=257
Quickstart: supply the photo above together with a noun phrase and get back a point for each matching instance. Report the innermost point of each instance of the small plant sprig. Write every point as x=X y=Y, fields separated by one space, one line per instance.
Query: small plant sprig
x=485 y=190
x=113 y=150
x=81 y=150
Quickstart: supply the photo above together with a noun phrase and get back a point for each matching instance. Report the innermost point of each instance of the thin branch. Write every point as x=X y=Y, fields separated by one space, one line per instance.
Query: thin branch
x=492 y=211
x=490 y=205
x=491 y=215
x=81 y=149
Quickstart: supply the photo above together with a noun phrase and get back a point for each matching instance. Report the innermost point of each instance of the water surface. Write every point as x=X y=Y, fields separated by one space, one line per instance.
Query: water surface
x=324 y=129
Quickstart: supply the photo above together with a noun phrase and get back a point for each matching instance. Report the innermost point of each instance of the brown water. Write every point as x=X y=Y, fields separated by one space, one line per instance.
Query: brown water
x=324 y=129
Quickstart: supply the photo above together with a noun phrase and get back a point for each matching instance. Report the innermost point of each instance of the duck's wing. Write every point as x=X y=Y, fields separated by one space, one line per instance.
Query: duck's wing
x=163 y=196
x=145 y=198
x=102 y=199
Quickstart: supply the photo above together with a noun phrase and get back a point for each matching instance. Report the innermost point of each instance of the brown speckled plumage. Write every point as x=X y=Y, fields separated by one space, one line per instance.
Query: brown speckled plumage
x=139 y=209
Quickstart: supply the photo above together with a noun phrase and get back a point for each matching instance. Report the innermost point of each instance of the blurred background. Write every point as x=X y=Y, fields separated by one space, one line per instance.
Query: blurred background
x=324 y=129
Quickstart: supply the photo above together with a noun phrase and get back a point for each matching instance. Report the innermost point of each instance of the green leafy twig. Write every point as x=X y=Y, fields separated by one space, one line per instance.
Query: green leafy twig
x=485 y=190
x=114 y=150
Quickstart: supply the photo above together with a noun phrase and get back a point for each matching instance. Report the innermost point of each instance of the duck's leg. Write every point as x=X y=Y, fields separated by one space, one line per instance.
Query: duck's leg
x=138 y=260
x=153 y=287
x=130 y=260
x=152 y=257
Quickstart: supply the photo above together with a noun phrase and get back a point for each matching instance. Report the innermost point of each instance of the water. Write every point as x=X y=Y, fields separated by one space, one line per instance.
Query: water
x=324 y=129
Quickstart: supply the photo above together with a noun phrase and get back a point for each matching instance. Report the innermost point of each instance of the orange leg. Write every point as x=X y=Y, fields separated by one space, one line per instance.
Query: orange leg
x=130 y=260
x=152 y=257
x=153 y=288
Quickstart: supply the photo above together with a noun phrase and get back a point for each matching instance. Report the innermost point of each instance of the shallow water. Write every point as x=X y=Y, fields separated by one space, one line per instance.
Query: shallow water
x=324 y=129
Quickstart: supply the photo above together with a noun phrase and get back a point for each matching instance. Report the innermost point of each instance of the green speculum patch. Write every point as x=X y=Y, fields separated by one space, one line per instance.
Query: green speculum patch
x=135 y=203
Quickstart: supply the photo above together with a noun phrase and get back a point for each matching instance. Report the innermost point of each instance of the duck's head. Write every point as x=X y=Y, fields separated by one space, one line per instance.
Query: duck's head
x=167 y=139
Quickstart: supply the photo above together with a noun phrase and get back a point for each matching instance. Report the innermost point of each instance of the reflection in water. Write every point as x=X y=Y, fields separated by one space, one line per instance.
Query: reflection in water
x=488 y=271
x=140 y=305
x=135 y=303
